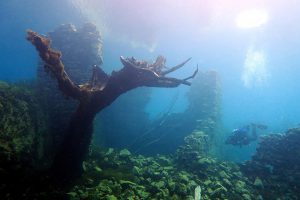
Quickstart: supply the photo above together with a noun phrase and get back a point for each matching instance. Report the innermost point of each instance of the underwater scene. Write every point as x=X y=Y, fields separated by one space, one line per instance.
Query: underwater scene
x=149 y=99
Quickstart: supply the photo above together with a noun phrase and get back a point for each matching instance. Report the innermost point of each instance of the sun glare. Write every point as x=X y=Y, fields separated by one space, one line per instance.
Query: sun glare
x=251 y=18
x=255 y=73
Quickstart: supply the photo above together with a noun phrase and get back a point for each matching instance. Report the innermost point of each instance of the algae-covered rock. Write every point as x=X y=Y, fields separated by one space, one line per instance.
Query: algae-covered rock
x=223 y=174
x=142 y=194
x=163 y=160
x=21 y=124
x=151 y=177
x=171 y=185
x=183 y=177
x=258 y=183
x=109 y=151
x=125 y=153
x=276 y=165
x=227 y=182
x=161 y=178
x=218 y=192
x=220 y=180
x=136 y=170
x=125 y=183
x=240 y=184
x=246 y=197
x=104 y=187
x=189 y=198
x=207 y=182
x=206 y=161
x=181 y=189
x=111 y=197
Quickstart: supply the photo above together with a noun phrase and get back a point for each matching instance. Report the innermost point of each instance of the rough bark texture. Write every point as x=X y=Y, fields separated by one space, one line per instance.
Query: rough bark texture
x=93 y=96
x=81 y=48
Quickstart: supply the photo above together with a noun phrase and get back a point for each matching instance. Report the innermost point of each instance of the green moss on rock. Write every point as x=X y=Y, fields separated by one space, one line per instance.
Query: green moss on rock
x=21 y=123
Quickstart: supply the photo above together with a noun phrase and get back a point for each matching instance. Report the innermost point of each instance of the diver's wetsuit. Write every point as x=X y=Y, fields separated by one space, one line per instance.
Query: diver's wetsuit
x=243 y=136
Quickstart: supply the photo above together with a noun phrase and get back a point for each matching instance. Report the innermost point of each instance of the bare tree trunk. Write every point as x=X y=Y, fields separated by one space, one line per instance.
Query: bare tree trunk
x=95 y=95
x=75 y=146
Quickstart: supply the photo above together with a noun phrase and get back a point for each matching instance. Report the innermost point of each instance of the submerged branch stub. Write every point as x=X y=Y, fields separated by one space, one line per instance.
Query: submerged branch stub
x=172 y=69
x=193 y=75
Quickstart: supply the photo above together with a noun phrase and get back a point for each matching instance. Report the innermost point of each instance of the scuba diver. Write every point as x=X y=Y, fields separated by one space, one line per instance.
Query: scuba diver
x=245 y=135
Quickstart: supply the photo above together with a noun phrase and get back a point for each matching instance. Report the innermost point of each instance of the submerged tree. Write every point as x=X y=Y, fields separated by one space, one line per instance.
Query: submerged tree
x=93 y=96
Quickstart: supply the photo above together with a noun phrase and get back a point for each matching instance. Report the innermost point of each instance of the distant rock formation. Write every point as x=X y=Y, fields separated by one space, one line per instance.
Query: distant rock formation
x=21 y=126
x=202 y=115
x=275 y=166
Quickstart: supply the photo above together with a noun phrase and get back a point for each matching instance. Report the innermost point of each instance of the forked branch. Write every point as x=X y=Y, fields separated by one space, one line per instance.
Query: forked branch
x=99 y=92
x=53 y=62
x=135 y=73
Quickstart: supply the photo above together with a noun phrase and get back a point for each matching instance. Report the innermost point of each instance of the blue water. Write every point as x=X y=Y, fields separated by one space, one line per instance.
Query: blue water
x=205 y=31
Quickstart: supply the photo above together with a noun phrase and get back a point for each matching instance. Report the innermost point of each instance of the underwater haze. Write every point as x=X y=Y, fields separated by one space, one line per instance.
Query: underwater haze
x=257 y=59
x=249 y=52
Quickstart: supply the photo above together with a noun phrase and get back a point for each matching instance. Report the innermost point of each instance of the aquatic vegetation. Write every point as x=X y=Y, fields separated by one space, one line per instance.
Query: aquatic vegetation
x=162 y=177
x=218 y=179
x=151 y=177
x=274 y=169
x=114 y=174
x=194 y=150
x=20 y=123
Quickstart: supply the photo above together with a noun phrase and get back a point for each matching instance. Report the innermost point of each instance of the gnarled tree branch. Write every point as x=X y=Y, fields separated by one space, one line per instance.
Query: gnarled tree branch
x=53 y=62
x=99 y=92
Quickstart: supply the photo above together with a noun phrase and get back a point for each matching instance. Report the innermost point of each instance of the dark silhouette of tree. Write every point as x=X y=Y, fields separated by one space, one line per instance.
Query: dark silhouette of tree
x=93 y=96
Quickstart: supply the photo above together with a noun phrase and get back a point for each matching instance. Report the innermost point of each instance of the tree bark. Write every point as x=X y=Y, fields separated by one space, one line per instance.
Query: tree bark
x=68 y=160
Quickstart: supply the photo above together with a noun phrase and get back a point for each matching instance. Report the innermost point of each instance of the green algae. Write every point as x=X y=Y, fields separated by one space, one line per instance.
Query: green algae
x=114 y=174
x=21 y=123
x=162 y=177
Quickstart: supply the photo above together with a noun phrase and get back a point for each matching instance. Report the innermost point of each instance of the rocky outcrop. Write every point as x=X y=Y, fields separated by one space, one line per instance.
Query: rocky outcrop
x=275 y=166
